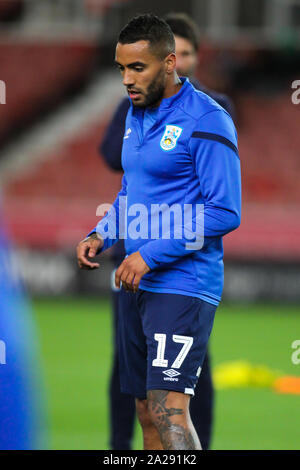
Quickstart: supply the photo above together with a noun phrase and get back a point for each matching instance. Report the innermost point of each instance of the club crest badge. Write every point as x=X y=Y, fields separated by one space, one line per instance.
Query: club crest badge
x=170 y=137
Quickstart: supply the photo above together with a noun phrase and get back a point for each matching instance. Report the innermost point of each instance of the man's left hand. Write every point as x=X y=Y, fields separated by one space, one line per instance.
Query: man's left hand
x=131 y=271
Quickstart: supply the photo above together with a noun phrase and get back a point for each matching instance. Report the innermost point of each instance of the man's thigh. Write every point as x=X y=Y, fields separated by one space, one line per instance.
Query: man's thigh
x=132 y=346
x=177 y=330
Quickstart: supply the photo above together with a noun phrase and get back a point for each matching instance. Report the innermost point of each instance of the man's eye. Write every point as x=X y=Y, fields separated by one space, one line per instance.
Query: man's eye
x=138 y=69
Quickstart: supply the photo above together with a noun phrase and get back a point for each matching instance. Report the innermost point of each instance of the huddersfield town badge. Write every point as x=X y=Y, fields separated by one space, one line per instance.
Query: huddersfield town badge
x=170 y=137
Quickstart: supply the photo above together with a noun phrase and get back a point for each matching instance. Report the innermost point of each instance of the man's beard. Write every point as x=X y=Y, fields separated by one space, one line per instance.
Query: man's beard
x=155 y=91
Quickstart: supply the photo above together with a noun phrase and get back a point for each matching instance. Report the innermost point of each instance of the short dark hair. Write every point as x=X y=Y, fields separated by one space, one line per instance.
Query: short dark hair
x=150 y=28
x=182 y=25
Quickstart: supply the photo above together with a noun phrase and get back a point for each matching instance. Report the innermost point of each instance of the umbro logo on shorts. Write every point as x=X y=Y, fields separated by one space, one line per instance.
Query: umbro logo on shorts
x=171 y=373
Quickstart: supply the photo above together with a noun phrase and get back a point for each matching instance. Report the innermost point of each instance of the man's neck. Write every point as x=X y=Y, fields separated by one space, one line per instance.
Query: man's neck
x=173 y=86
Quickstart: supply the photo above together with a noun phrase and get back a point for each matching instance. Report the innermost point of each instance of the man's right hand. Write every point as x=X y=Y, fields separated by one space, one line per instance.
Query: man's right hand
x=88 y=248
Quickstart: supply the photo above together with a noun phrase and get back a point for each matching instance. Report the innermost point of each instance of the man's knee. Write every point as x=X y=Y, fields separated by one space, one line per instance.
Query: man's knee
x=167 y=407
x=169 y=412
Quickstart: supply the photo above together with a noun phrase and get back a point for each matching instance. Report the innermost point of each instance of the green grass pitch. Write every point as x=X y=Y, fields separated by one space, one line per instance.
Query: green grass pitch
x=75 y=348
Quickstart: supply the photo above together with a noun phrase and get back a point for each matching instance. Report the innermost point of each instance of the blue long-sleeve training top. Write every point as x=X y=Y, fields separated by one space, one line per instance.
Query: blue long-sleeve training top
x=112 y=142
x=187 y=158
x=111 y=145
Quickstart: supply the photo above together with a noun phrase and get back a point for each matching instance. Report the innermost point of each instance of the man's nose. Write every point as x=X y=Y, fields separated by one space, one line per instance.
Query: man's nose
x=128 y=79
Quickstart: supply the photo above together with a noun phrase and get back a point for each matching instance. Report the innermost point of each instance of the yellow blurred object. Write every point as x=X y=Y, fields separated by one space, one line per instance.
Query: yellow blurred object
x=239 y=374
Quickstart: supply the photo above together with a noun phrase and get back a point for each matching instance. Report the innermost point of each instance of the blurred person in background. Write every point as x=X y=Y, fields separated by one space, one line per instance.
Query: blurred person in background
x=22 y=419
x=122 y=406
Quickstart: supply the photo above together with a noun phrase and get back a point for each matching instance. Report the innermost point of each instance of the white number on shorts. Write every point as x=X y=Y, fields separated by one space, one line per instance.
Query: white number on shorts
x=160 y=360
x=187 y=342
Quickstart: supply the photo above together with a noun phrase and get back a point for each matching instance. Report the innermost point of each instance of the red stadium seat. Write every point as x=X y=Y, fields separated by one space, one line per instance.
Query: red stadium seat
x=59 y=66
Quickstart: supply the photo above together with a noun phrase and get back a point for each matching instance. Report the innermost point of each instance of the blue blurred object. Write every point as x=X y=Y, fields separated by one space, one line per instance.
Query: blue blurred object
x=22 y=417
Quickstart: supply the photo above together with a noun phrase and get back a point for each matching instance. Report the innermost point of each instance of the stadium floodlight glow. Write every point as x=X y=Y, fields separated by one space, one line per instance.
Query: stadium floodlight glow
x=2 y=92
x=2 y=353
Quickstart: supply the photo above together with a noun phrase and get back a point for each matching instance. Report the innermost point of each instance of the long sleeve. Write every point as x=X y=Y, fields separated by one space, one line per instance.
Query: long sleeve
x=111 y=145
x=112 y=226
x=213 y=149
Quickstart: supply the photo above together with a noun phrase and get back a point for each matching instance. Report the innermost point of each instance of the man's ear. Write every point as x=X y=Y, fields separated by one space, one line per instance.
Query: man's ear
x=170 y=63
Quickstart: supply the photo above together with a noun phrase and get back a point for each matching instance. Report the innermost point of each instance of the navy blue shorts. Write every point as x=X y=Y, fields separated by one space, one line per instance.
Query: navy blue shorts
x=162 y=341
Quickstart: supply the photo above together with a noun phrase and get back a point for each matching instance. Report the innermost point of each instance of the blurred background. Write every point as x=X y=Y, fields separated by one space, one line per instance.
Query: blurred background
x=58 y=92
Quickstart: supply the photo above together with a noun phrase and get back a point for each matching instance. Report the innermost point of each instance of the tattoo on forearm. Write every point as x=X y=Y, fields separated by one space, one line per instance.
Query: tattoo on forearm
x=173 y=436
